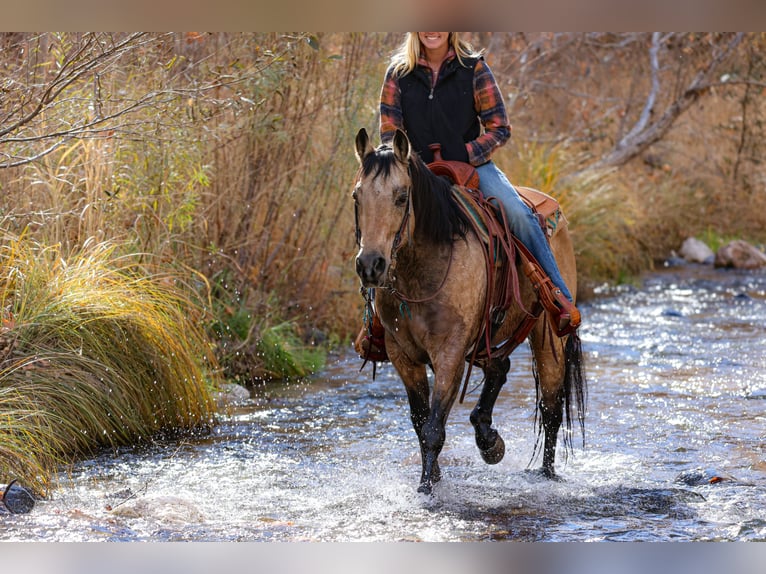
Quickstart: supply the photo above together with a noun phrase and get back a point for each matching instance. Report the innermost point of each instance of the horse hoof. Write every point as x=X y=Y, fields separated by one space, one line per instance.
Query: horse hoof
x=550 y=474
x=495 y=453
x=546 y=474
x=425 y=488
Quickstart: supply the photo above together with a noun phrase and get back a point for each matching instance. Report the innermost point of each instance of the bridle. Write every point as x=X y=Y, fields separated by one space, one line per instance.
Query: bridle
x=390 y=281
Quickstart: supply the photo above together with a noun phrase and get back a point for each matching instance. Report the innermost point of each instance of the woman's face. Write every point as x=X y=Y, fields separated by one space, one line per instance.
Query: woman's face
x=433 y=40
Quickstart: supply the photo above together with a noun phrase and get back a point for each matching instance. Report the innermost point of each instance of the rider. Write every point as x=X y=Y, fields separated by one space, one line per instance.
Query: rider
x=439 y=90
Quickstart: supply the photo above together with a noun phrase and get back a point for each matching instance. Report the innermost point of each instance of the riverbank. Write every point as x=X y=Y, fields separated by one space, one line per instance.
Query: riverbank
x=674 y=365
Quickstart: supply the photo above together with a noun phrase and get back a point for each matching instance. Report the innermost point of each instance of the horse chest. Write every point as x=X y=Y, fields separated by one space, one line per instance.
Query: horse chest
x=419 y=329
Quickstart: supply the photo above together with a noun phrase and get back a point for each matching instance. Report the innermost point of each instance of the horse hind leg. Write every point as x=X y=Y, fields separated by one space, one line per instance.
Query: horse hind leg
x=490 y=443
x=552 y=416
x=560 y=383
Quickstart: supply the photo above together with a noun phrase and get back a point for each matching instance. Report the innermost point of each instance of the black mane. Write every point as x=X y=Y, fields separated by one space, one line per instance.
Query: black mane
x=437 y=215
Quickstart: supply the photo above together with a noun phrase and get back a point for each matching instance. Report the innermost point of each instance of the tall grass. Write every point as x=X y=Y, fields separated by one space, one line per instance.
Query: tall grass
x=94 y=352
x=604 y=215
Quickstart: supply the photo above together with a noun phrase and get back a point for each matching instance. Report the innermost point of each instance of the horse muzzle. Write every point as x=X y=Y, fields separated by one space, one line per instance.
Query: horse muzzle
x=371 y=268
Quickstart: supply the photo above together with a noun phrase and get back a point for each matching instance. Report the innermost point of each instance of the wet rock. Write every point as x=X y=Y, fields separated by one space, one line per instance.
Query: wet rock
x=666 y=501
x=674 y=260
x=231 y=394
x=16 y=499
x=740 y=255
x=672 y=313
x=702 y=476
x=695 y=251
x=315 y=337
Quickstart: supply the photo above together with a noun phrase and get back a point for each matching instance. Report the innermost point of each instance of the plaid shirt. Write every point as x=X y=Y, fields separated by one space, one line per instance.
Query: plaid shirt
x=488 y=103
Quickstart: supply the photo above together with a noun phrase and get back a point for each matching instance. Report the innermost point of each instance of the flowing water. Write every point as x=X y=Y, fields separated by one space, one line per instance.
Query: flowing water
x=674 y=446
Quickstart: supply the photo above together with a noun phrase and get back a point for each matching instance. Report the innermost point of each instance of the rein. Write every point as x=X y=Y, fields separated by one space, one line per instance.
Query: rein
x=405 y=299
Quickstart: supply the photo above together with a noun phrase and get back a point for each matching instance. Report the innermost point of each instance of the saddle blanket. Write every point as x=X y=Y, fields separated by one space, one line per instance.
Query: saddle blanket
x=546 y=208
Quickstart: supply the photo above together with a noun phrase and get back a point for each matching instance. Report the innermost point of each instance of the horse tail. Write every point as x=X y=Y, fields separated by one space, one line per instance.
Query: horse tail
x=575 y=385
x=575 y=391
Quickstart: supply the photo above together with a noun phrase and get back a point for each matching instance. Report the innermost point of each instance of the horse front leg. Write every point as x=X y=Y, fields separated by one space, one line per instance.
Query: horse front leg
x=490 y=443
x=447 y=377
x=415 y=379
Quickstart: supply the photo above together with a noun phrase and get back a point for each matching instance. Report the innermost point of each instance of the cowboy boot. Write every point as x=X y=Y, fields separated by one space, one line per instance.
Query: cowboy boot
x=568 y=315
x=370 y=343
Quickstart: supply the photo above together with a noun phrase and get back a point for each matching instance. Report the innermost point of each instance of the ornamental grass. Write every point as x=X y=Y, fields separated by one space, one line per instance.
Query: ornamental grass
x=94 y=353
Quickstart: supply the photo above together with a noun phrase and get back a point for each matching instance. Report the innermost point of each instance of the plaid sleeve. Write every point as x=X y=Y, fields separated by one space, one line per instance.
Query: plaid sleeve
x=491 y=110
x=390 y=108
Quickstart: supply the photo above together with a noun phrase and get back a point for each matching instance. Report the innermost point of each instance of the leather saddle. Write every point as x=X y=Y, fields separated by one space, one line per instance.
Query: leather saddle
x=545 y=207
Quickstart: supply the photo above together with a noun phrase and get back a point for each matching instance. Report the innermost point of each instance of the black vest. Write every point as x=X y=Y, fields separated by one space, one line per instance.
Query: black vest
x=447 y=115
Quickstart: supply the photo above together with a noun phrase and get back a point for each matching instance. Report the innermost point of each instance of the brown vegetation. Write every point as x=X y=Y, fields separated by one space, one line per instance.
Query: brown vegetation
x=231 y=154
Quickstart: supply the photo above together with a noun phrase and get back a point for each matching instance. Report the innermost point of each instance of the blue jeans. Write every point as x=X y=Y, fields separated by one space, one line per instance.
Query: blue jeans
x=524 y=224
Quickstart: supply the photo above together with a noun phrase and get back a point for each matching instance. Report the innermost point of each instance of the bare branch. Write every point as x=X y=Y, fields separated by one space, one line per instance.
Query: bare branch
x=646 y=132
x=70 y=72
x=37 y=102
x=654 y=62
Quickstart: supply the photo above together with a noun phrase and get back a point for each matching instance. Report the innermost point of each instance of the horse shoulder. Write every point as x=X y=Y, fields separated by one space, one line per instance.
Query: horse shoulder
x=468 y=284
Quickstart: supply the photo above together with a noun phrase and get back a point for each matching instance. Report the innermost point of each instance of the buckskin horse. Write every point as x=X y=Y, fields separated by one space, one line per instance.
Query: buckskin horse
x=425 y=264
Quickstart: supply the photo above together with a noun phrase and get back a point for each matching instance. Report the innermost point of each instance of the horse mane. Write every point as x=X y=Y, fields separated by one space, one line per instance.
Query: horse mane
x=438 y=217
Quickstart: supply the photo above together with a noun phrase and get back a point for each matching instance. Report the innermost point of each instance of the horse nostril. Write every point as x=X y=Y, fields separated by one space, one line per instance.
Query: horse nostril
x=379 y=265
x=370 y=267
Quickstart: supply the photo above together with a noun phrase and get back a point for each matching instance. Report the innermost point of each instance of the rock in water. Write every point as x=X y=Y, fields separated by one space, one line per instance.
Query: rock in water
x=700 y=476
x=695 y=251
x=230 y=394
x=17 y=499
x=162 y=509
x=740 y=255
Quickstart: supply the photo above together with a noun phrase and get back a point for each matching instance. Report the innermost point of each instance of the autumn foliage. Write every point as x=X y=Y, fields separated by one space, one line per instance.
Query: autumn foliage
x=229 y=155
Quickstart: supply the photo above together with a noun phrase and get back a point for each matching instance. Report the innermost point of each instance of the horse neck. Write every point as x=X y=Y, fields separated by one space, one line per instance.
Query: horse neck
x=421 y=266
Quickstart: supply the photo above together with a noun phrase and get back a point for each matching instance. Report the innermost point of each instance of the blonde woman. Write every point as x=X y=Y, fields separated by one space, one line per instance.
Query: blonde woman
x=438 y=89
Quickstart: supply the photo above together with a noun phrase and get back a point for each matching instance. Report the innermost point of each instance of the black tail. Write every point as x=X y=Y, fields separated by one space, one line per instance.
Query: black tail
x=575 y=385
x=575 y=391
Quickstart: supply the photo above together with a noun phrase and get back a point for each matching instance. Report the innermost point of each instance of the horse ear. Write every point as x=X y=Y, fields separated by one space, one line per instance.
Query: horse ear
x=401 y=146
x=363 y=145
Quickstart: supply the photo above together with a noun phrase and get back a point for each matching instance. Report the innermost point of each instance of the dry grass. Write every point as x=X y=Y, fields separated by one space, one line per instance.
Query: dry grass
x=95 y=353
x=604 y=215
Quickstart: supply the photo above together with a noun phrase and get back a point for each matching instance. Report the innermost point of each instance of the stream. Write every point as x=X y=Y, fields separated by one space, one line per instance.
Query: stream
x=675 y=446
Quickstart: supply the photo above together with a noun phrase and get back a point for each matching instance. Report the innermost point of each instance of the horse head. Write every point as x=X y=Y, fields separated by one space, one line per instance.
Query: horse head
x=382 y=204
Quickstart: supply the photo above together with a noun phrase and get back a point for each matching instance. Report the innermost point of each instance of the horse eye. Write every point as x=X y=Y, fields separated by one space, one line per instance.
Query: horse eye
x=401 y=197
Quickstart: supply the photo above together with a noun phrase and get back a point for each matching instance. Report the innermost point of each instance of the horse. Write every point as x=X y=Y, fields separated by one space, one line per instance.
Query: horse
x=420 y=257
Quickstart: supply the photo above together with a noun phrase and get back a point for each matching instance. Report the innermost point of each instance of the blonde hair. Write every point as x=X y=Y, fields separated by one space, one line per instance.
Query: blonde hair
x=406 y=57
